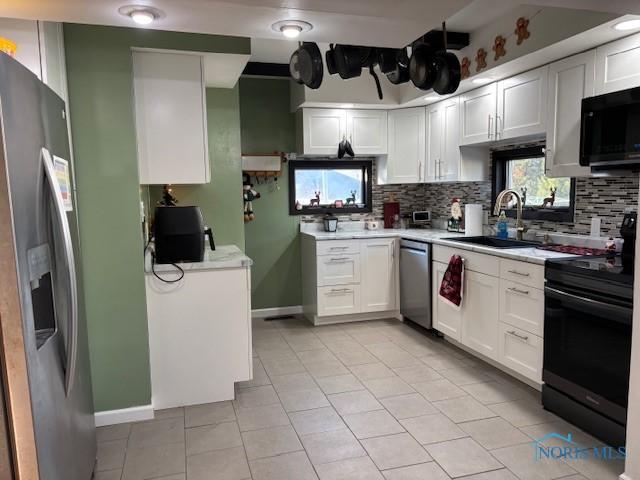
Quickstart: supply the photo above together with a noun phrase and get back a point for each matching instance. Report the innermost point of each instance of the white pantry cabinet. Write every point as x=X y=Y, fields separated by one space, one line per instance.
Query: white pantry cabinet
x=522 y=105
x=617 y=65
x=478 y=112
x=349 y=280
x=407 y=149
x=367 y=131
x=570 y=80
x=171 y=120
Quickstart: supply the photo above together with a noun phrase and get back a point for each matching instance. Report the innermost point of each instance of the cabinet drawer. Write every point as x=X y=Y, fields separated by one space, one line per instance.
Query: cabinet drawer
x=338 y=300
x=476 y=262
x=522 y=272
x=338 y=269
x=333 y=247
x=522 y=306
x=520 y=351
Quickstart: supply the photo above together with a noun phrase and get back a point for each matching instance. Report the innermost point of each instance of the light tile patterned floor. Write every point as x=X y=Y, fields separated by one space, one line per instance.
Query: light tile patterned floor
x=370 y=400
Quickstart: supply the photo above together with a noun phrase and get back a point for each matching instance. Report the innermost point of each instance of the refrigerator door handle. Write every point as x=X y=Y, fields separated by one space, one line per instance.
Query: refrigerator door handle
x=72 y=343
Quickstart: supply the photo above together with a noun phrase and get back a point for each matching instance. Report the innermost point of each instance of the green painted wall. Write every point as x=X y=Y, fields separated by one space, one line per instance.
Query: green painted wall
x=272 y=239
x=220 y=200
x=101 y=104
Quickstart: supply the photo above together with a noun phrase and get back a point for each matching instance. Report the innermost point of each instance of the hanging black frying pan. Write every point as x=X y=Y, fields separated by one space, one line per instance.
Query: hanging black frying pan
x=348 y=61
x=294 y=67
x=387 y=59
x=448 y=68
x=422 y=66
x=330 y=58
x=310 y=65
x=400 y=74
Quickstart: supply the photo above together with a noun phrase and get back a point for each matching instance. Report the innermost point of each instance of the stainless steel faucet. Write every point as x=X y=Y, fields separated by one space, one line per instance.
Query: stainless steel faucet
x=520 y=228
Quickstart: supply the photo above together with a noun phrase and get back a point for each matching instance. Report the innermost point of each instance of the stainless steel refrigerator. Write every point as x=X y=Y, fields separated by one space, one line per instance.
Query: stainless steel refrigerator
x=35 y=158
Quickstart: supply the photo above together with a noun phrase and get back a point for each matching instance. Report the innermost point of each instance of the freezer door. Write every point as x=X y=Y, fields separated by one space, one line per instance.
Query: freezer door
x=47 y=250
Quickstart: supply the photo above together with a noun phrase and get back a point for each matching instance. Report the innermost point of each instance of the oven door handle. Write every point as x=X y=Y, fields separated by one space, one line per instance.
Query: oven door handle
x=622 y=314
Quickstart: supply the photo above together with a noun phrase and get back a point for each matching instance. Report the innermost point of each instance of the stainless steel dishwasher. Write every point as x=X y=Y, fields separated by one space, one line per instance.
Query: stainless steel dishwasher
x=415 y=281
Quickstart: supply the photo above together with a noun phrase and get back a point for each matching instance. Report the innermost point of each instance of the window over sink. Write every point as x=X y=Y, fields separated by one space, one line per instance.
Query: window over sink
x=523 y=170
x=329 y=186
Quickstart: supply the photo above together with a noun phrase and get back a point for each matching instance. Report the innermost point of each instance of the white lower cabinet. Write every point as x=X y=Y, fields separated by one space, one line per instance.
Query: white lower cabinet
x=446 y=318
x=480 y=313
x=348 y=280
x=521 y=351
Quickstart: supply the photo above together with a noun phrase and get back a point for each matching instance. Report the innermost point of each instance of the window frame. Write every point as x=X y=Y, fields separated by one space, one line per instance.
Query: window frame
x=330 y=164
x=499 y=160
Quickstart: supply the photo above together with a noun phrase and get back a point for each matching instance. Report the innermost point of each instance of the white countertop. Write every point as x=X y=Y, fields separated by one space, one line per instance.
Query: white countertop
x=435 y=236
x=224 y=256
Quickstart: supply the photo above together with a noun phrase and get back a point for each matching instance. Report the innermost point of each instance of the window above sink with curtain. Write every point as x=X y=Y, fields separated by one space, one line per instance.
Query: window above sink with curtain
x=330 y=186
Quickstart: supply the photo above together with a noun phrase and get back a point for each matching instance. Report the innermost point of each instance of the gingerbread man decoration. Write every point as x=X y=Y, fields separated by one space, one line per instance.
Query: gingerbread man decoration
x=481 y=59
x=521 y=30
x=464 y=68
x=498 y=47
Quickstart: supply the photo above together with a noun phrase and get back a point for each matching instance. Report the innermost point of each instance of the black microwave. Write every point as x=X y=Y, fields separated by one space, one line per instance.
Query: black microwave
x=610 y=130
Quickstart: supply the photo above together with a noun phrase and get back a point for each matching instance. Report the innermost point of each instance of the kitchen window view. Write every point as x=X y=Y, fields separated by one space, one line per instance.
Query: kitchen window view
x=544 y=198
x=328 y=186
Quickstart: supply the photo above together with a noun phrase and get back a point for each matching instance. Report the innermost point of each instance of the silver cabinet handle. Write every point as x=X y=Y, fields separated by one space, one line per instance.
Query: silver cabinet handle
x=489 y=127
x=517 y=290
x=338 y=248
x=524 y=338
x=499 y=126
x=420 y=170
x=339 y=290
x=72 y=342
x=515 y=272
x=339 y=259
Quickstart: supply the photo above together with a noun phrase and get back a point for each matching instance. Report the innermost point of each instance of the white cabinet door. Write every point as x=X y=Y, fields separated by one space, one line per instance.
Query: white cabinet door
x=323 y=129
x=406 y=134
x=171 y=122
x=478 y=113
x=522 y=105
x=570 y=80
x=520 y=351
x=446 y=318
x=449 y=167
x=480 y=313
x=367 y=131
x=617 y=65
x=434 y=138
x=378 y=274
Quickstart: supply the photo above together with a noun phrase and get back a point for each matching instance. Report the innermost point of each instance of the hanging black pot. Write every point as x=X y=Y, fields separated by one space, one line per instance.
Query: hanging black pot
x=330 y=58
x=422 y=66
x=294 y=67
x=348 y=61
x=310 y=65
x=448 y=68
x=387 y=59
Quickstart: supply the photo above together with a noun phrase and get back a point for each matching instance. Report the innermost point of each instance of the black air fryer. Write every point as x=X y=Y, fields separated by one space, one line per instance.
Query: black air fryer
x=179 y=234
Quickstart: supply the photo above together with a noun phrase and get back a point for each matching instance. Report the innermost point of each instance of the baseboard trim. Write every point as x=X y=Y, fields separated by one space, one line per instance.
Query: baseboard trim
x=276 y=311
x=125 y=415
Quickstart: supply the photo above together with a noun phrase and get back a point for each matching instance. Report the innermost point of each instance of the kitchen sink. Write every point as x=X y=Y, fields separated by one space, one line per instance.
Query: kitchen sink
x=494 y=242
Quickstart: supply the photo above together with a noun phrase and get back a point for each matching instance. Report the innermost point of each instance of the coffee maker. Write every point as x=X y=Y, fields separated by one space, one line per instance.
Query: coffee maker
x=628 y=234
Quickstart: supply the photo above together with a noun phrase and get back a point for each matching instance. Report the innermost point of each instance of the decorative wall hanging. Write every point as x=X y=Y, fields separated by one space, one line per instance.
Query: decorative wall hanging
x=498 y=47
x=481 y=59
x=465 y=66
x=248 y=196
x=522 y=24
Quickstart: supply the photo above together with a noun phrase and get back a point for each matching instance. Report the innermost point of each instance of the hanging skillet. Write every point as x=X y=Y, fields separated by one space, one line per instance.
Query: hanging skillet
x=448 y=67
x=348 y=61
x=294 y=67
x=422 y=66
x=400 y=73
x=310 y=65
x=330 y=58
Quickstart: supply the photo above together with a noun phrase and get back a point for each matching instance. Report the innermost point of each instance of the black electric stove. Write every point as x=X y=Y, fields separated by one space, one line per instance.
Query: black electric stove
x=587 y=339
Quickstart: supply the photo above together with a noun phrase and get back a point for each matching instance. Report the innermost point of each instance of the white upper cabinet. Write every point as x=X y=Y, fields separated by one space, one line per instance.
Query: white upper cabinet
x=522 y=105
x=570 y=80
x=478 y=112
x=617 y=65
x=171 y=122
x=367 y=131
x=443 y=139
x=406 y=159
x=323 y=129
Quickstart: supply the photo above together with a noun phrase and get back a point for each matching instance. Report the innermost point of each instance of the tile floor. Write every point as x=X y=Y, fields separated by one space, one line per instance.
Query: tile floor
x=371 y=400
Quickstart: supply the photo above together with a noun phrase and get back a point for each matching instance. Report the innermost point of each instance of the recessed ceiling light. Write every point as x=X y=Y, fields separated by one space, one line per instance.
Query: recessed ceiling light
x=627 y=25
x=291 y=28
x=141 y=14
x=481 y=80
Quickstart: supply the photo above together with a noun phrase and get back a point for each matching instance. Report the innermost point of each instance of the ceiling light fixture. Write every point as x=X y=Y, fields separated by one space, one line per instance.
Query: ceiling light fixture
x=627 y=25
x=141 y=14
x=481 y=80
x=291 y=28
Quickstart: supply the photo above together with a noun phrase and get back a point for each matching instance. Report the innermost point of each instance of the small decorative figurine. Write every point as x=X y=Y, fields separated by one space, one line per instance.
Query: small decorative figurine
x=315 y=201
x=168 y=200
x=523 y=190
x=481 y=59
x=248 y=196
x=498 y=47
x=298 y=205
x=455 y=221
x=465 y=66
x=352 y=198
x=521 y=31
x=549 y=200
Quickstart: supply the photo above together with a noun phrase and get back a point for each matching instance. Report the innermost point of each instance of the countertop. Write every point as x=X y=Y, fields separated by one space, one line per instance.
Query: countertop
x=435 y=236
x=224 y=256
